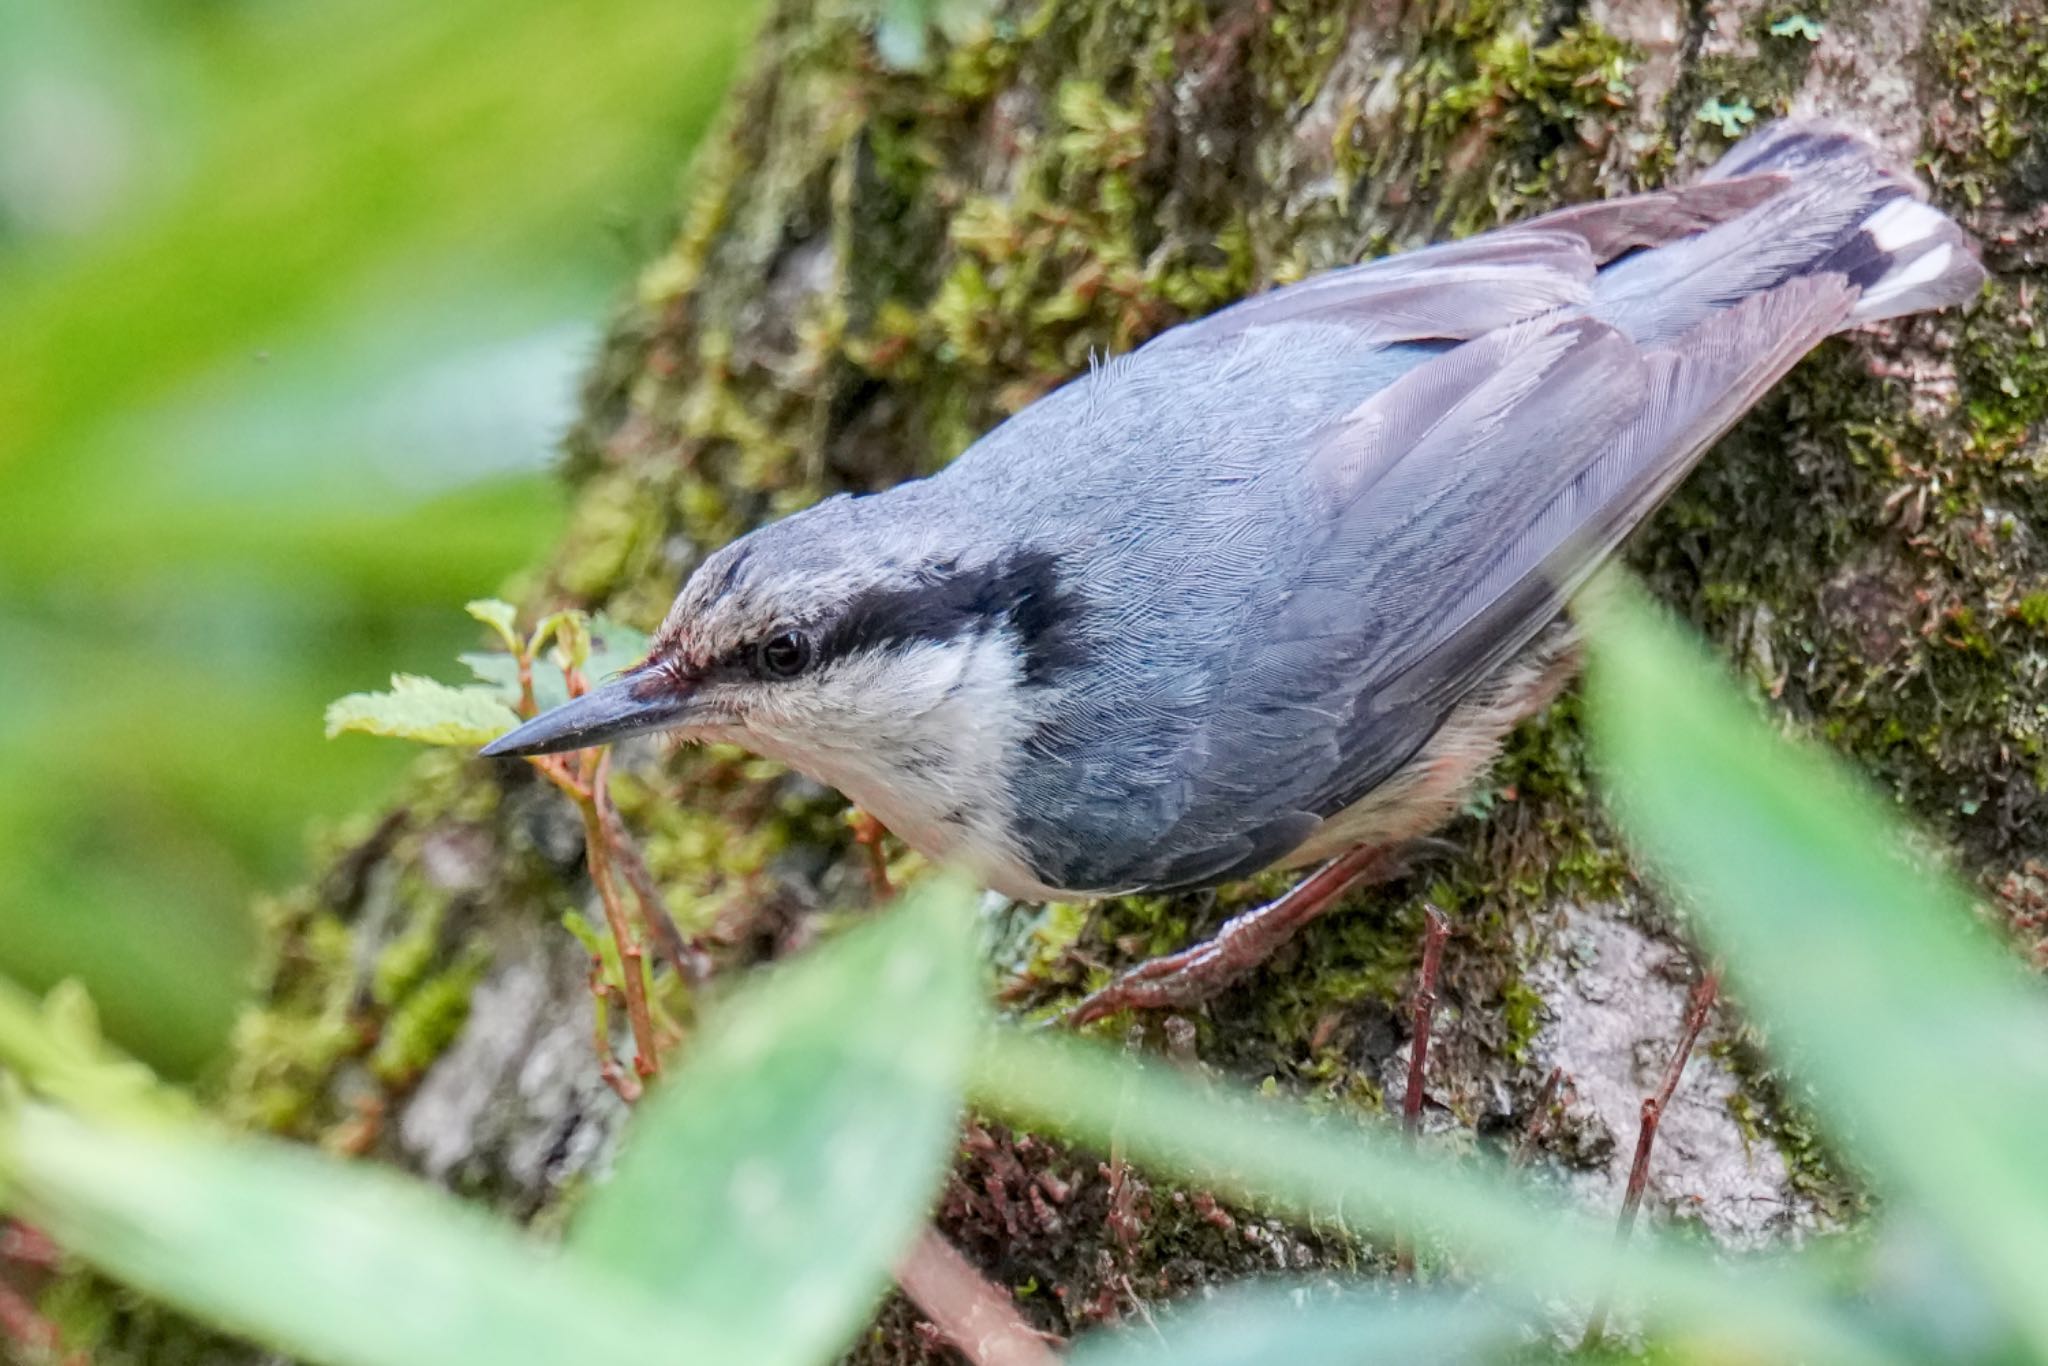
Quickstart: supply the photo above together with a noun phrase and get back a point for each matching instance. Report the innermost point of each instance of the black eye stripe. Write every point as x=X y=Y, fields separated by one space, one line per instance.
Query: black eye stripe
x=1021 y=591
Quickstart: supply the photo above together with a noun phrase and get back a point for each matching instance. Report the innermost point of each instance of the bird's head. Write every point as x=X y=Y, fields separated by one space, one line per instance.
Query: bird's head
x=868 y=646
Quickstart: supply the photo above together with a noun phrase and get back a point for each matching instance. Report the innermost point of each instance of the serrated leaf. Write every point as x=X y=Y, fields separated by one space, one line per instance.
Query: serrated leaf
x=501 y=617
x=422 y=709
x=337 y=1262
x=1918 y=1034
x=774 y=1179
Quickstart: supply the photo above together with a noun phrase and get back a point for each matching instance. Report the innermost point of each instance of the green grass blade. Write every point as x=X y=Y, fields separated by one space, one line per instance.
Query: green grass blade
x=331 y=1261
x=1922 y=1039
x=773 y=1181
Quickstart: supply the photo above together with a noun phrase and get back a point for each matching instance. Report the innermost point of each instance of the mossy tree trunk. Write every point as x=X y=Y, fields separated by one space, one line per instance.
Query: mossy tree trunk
x=875 y=266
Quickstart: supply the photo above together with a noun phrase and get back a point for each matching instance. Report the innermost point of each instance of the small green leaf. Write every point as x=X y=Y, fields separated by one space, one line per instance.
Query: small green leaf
x=339 y=1262
x=569 y=632
x=774 y=1179
x=1303 y=1324
x=1919 y=1035
x=1730 y=116
x=1798 y=26
x=421 y=709
x=501 y=617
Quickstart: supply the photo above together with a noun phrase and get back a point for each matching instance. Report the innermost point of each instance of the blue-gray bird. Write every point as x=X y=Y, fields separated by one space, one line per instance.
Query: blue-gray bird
x=1272 y=588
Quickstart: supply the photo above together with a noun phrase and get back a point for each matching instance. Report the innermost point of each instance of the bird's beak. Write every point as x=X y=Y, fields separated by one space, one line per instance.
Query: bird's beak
x=628 y=705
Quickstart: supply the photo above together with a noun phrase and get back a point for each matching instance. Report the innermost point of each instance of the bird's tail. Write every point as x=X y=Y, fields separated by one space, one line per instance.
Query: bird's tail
x=1902 y=252
x=1843 y=210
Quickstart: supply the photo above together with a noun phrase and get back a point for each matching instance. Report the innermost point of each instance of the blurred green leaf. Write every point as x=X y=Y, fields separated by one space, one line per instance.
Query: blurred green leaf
x=772 y=1182
x=1304 y=1324
x=54 y=1048
x=1328 y=1170
x=420 y=709
x=339 y=1262
x=1921 y=1037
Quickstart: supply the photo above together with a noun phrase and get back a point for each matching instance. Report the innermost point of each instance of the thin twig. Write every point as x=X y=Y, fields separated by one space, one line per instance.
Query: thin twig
x=1698 y=1007
x=977 y=1317
x=609 y=1072
x=556 y=770
x=1435 y=930
x=632 y=958
x=690 y=962
x=27 y=1244
x=22 y=1325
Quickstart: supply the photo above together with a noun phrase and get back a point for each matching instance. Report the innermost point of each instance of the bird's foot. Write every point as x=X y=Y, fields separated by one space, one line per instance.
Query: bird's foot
x=1247 y=939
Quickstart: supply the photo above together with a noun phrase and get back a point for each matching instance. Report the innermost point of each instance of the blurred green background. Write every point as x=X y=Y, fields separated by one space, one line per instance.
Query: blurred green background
x=293 y=299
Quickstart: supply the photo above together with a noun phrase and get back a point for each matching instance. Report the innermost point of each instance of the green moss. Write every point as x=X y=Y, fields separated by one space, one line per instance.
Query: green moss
x=425 y=1021
x=1993 y=57
x=1523 y=1012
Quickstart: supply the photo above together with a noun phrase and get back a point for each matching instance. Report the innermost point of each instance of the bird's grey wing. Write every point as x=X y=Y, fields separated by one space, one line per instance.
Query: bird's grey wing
x=1455 y=291
x=1695 y=391
x=1457 y=509
x=1611 y=227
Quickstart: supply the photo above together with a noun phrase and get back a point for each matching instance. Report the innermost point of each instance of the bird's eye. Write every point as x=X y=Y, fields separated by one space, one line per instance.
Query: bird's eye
x=784 y=656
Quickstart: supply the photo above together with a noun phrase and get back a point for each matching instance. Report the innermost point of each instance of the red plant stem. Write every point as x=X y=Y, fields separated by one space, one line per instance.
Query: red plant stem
x=527 y=706
x=976 y=1317
x=555 y=770
x=689 y=961
x=1698 y=1007
x=22 y=1325
x=646 y=1056
x=1435 y=930
x=609 y=1072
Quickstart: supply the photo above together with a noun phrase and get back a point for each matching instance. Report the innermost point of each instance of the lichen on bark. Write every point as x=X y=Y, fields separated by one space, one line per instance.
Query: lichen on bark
x=874 y=266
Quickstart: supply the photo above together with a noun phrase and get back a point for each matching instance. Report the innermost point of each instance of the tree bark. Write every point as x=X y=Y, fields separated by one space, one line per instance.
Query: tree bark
x=875 y=266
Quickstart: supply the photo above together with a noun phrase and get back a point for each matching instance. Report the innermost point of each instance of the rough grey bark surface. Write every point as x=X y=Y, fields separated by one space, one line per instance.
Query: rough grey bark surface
x=876 y=265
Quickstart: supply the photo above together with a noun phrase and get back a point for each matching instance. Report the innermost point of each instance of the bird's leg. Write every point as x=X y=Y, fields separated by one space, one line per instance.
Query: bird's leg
x=1246 y=940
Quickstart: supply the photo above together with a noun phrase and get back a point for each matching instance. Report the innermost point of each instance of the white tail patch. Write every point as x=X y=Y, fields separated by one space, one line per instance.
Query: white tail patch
x=1903 y=222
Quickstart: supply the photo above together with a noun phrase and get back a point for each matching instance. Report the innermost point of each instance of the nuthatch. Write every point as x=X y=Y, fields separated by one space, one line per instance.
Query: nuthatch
x=1273 y=588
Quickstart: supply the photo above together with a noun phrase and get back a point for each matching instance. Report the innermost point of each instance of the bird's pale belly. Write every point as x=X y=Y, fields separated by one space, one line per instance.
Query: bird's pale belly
x=1427 y=791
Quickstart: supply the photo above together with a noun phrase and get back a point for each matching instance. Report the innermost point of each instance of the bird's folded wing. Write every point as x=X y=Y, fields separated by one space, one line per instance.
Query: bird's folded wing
x=1456 y=291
